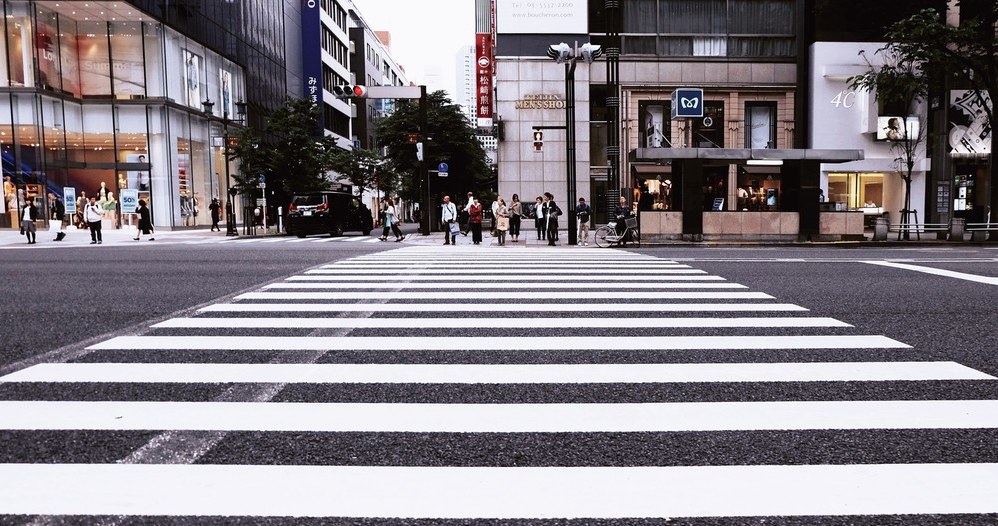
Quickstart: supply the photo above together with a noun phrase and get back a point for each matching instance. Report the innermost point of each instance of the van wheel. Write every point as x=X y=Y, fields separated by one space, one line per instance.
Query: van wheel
x=337 y=231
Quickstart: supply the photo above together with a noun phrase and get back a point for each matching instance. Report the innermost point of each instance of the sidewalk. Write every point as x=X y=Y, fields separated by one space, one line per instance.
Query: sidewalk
x=12 y=238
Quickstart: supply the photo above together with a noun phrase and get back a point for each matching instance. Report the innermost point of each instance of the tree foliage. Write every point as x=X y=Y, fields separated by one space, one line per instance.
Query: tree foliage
x=293 y=152
x=360 y=167
x=900 y=83
x=449 y=138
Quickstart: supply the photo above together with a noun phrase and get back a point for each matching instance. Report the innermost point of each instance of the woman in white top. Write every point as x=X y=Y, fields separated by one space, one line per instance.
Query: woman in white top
x=391 y=221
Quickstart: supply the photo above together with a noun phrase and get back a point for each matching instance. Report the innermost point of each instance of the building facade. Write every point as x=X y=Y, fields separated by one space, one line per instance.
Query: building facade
x=781 y=147
x=108 y=99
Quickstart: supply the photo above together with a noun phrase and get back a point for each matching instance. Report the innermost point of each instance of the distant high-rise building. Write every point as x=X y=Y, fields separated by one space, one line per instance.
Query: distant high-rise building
x=464 y=85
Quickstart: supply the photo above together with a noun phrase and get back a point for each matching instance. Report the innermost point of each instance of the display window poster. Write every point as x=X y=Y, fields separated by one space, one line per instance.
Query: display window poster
x=655 y=129
x=192 y=78
x=136 y=179
x=48 y=59
x=970 y=130
x=225 y=92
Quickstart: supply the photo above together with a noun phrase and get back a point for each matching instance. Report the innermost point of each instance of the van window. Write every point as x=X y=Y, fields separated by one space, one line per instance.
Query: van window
x=307 y=200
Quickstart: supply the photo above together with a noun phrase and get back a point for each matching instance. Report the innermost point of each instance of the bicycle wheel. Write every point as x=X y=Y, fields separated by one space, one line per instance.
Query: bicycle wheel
x=603 y=236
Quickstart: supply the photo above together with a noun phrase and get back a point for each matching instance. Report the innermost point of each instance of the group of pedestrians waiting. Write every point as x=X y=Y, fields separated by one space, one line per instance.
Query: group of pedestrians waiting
x=507 y=218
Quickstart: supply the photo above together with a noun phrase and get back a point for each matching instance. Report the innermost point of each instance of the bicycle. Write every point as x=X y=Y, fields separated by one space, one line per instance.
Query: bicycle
x=606 y=235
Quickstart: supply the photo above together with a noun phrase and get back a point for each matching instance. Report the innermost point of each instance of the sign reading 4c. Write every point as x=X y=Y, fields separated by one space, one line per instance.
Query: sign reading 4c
x=687 y=103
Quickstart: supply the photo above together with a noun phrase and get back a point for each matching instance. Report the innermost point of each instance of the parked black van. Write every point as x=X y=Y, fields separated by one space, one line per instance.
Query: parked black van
x=330 y=213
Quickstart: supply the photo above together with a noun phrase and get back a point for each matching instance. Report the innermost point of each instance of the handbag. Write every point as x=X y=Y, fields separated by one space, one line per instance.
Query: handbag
x=455 y=229
x=502 y=223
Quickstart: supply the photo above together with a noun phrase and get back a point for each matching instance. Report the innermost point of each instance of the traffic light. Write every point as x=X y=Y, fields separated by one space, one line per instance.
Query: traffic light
x=350 y=92
x=538 y=141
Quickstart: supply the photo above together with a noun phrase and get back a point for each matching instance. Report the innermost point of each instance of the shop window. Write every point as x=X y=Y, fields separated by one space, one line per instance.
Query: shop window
x=654 y=190
x=708 y=132
x=760 y=125
x=18 y=51
x=128 y=69
x=760 y=189
x=715 y=188
x=656 y=128
x=94 y=56
x=47 y=51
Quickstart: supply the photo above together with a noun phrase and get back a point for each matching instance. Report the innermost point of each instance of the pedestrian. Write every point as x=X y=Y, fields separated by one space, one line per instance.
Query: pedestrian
x=539 y=219
x=621 y=212
x=448 y=214
x=515 y=217
x=391 y=221
x=30 y=215
x=216 y=214
x=495 y=210
x=92 y=215
x=475 y=221
x=81 y=203
x=467 y=214
x=145 y=222
x=551 y=213
x=501 y=221
x=582 y=213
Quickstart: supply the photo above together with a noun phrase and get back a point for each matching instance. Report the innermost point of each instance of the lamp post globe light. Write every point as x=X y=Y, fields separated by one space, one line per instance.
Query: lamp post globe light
x=563 y=53
x=230 y=192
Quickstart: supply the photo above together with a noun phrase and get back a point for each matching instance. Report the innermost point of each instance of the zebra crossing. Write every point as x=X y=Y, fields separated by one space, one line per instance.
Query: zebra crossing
x=539 y=384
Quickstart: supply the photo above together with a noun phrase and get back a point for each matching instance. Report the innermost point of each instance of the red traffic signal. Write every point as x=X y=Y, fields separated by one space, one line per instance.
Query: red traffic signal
x=350 y=91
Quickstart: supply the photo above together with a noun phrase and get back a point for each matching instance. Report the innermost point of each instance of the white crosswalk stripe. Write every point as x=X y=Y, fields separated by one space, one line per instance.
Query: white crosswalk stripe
x=559 y=350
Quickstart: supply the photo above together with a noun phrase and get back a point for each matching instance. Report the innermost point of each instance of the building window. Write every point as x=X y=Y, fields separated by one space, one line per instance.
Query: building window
x=656 y=128
x=760 y=125
x=708 y=132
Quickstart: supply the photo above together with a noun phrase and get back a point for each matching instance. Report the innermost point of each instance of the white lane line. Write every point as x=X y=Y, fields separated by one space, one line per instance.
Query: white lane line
x=520 y=277
x=419 y=343
x=987 y=280
x=276 y=240
x=437 y=493
x=299 y=240
x=494 y=374
x=431 y=295
x=517 y=271
x=504 y=308
x=503 y=264
x=498 y=418
x=370 y=240
x=476 y=323
x=503 y=285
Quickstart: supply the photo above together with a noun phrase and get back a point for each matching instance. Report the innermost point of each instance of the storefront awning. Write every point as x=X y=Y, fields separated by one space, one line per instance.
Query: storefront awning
x=651 y=155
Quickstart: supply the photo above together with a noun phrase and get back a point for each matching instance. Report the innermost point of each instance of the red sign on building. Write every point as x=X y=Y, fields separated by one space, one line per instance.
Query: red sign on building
x=483 y=73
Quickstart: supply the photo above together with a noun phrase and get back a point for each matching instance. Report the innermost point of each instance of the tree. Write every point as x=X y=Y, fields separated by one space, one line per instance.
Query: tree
x=294 y=153
x=360 y=167
x=900 y=83
x=966 y=54
x=449 y=138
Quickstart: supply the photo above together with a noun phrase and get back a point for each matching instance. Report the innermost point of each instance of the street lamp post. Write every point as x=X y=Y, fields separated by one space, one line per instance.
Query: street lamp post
x=564 y=54
x=230 y=215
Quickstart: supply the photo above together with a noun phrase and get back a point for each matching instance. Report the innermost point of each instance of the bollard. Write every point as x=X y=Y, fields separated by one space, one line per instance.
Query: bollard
x=957 y=227
x=880 y=227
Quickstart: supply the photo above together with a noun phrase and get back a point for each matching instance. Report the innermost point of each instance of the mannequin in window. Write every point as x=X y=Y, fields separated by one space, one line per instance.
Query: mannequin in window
x=142 y=177
x=102 y=192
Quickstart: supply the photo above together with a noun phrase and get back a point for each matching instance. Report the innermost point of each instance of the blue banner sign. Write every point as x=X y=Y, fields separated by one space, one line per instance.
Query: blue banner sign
x=69 y=199
x=311 y=52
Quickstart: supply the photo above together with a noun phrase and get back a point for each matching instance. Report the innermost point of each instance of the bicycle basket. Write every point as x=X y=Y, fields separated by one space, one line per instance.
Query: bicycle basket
x=631 y=222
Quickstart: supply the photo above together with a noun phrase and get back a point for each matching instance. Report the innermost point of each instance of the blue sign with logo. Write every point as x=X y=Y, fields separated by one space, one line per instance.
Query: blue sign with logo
x=687 y=103
x=69 y=199
x=442 y=167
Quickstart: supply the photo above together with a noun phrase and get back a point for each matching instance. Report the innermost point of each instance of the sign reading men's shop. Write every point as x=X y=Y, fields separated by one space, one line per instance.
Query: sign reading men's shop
x=540 y=102
x=687 y=103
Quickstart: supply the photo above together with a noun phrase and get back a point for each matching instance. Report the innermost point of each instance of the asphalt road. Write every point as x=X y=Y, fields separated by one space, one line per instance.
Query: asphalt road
x=63 y=300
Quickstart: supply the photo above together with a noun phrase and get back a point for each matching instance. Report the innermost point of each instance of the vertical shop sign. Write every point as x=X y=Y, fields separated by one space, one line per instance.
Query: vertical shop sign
x=311 y=47
x=69 y=199
x=483 y=72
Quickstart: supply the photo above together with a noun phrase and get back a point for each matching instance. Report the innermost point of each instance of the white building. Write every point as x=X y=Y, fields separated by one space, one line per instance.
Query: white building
x=464 y=85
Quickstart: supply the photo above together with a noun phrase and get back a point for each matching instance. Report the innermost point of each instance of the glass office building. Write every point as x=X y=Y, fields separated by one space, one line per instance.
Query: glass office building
x=102 y=98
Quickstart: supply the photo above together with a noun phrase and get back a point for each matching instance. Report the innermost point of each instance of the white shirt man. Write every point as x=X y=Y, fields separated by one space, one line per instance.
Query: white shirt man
x=448 y=214
x=92 y=215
